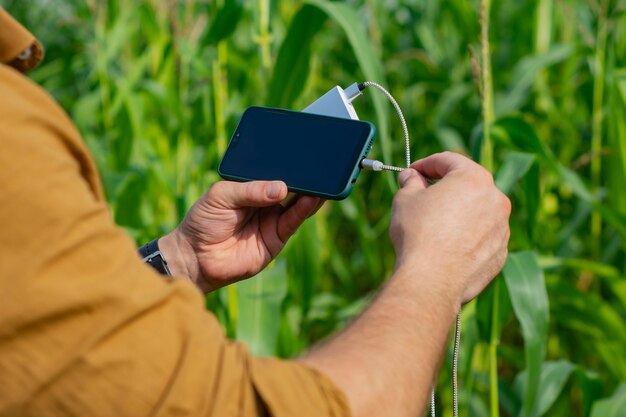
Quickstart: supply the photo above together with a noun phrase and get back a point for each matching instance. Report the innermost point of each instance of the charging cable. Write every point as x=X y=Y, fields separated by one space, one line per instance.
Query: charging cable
x=351 y=93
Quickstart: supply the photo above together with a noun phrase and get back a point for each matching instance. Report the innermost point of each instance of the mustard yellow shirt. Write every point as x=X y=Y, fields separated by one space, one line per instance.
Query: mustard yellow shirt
x=86 y=329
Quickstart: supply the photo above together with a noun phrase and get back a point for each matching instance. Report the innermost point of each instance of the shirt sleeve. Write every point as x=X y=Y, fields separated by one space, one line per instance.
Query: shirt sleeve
x=86 y=329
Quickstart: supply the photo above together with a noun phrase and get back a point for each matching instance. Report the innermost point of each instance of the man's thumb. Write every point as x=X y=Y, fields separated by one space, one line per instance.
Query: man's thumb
x=411 y=178
x=247 y=194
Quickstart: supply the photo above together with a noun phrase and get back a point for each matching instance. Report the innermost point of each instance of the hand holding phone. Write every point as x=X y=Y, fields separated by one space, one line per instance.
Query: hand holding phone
x=313 y=154
x=233 y=231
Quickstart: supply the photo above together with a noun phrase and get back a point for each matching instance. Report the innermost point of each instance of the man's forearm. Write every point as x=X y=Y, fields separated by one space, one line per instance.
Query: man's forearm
x=386 y=360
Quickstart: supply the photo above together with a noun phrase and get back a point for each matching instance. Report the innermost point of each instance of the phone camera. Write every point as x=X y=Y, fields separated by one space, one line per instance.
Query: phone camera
x=236 y=138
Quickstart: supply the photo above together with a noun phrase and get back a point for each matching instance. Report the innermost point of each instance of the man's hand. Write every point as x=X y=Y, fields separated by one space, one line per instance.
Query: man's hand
x=458 y=226
x=450 y=240
x=234 y=231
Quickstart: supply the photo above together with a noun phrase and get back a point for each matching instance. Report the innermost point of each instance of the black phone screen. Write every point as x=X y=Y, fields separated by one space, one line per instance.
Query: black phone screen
x=310 y=153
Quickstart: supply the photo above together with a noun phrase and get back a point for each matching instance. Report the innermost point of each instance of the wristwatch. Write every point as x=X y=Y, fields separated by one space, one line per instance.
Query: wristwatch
x=152 y=256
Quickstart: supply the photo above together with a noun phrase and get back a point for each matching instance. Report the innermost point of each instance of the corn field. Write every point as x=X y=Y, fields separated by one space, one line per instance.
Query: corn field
x=535 y=90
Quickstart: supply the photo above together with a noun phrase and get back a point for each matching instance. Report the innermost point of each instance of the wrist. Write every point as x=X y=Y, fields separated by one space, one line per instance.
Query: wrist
x=179 y=255
x=431 y=283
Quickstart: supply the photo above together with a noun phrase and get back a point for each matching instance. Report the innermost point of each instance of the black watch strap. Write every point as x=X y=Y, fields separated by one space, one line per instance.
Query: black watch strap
x=152 y=255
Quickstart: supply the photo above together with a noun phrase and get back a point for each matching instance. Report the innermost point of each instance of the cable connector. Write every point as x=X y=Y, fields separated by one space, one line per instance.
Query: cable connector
x=374 y=165
x=371 y=165
x=353 y=91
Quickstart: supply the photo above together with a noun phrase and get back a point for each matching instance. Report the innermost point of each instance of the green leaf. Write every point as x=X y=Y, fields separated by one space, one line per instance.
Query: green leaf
x=116 y=37
x=592 y=324
x=259 y=306
x=611 y=407
x=128 y=201
x=575 y=183
x=449 y=101
x=616 y=119
x=485 y=314
x=450 y=139
x=554 y=375
x=515 y=166
x=304 y=251
x=224 y=23
x=573 y=180
x=354 y=29
x=591 y=388
x=600 y=269
x=525 y=74
x=532 y=196
x=612 y=217
x=126 y=85
x=525 y=282
x=293 y=63
x=522 y=135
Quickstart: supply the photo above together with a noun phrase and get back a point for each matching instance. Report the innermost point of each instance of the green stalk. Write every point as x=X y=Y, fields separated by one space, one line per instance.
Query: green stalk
x=220 y=95
x=494 y=341
x=597 y=117
x=219 y=81
x=101 y=64
x=264 y=37
x=487 y=86
x=543 y=39
x=183 y=147
x=566 y=103
x=487 y=161
x=543 y=26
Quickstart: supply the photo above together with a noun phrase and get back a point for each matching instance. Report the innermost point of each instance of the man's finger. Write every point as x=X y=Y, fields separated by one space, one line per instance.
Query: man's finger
x=293 y=218
x=289 y=200
x=411 y=178
x=441 y=164
x=234 y=195
x=318 y=206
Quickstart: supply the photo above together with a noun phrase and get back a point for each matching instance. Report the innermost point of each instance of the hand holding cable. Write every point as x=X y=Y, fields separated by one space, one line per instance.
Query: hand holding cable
x=374 y=165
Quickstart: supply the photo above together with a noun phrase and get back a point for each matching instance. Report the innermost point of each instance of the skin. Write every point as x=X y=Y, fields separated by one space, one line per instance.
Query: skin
x=450 y=240
x=233 y=231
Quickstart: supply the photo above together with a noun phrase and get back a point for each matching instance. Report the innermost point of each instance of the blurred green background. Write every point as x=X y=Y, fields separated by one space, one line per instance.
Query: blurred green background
x=156 y=88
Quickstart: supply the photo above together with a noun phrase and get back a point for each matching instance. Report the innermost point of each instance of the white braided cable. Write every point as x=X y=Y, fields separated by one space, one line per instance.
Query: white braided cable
x=455 y=367
x=432 y=402
x=405 y=129
x=392 y=168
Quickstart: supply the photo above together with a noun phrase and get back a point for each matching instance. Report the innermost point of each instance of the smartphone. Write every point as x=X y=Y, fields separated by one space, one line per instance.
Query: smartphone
x=313 y=154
